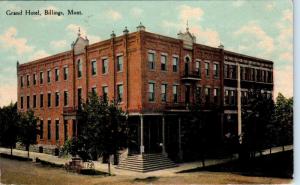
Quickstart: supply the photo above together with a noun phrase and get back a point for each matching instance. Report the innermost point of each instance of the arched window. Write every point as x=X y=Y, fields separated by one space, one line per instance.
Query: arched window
x=79 y=68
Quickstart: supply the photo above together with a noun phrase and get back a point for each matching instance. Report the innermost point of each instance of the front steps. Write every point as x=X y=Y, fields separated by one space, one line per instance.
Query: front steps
x=145 y=162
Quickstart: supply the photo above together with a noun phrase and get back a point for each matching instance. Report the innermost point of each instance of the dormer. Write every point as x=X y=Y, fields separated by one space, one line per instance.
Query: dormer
x=80 y=43
x=187 y=38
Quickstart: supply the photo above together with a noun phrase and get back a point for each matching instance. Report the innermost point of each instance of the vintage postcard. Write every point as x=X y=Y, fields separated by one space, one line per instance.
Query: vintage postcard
x=146 y=92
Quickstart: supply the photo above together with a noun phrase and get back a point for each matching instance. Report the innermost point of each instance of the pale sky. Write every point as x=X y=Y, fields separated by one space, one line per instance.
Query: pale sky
x=262 y=29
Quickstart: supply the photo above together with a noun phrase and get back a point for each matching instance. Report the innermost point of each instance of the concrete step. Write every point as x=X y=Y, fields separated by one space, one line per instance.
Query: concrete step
x=145 y=162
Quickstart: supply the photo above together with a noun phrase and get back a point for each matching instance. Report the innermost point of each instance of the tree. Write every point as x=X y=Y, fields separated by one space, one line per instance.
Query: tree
x=104 y=128
x=9 y=119
x=284 y=119
x=257 y=117
x=28 y=129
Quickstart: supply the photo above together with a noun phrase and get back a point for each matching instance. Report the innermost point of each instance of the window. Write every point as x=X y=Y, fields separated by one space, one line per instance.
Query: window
x=34 y=101
x=175 y=64
x=198 y=94
x=94 y=90
x=56 y=71
x=232 y=97
x=151 y=61
x=49 y=76
x=22 y=102
x=232 y=71
x=66 y=98
x=216 y=95
x=207 y=69
x=120 y=63
x=163 y=60
x=216 y=70
x=198 y=68
x=28 y=102
x=120 y=93
x=94 y=67
x=34 y=79
x=49 y=129
x=151 y=92
x=79 y=96
x=164 y=92
x=207 y=95
x=244 y=97
x=79 y=68
x=269 y=79
x=105 y=92
x=226 y=71
x=41 y=77
x=57 y=99
x=104 y=66
x=41 y=100
x=41 y=129
x=22 y=81
x=175 y=93
x=66 y=129
x=243 y=73
x=226 y=97
x=66 y=73
x=49 y=99
x=57 y=129
x=28 y=80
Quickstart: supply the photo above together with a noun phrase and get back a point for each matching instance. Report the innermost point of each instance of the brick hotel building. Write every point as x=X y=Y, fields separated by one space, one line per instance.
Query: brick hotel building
x=155 y=77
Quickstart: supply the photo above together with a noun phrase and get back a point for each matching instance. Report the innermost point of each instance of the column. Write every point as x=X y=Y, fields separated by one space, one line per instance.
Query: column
x=142 y=149
x=163 y=136
x=179 y=139
x=239 y=102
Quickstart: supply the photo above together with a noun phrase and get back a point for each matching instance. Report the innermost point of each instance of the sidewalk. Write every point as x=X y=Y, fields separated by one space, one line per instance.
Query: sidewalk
x=166 y=172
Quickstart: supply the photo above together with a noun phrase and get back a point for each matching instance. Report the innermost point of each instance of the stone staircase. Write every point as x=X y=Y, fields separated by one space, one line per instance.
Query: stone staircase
x=145 y=162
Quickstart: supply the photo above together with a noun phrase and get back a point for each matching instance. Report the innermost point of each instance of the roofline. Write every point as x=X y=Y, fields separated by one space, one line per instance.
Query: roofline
x=247 y=56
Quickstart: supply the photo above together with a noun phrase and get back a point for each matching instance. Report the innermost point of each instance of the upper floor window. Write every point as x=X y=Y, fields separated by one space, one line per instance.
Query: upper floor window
x=164 y=92
x=232 y=98
x=57 y=99
x=151 y=91
x=34 y=101
x=105 y=92
x=79 y=96
x=120 y=93
x=120 y=63
x=79 y=68
x=28 y=102
x=94 y=67
x=56 y=74
x=269 y=78
x=207 y=95
x=175 y=93
x=41 y=129
x=244 y=97
x=66 y=73
x=49 y=129
x=216 y=70
x=41 y=100
x=49 y=76
x=198 y=94
x=22 y=102
x=22 y=81
x=232 y=71
x=243 y=73
x=104 y=66
x=163 y=60
x=198 y=68
x=41 y=77
x=34 y=79
x=226 y=97
x=175 y=64
x=151 y=60
x=57 y=129
x=66 y=98
x=207 y=69
x=216 y=95
x=49 y=99
x=28 y=80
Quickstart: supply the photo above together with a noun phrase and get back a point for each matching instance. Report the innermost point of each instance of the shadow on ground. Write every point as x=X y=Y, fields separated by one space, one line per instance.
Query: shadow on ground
x=274 y=165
